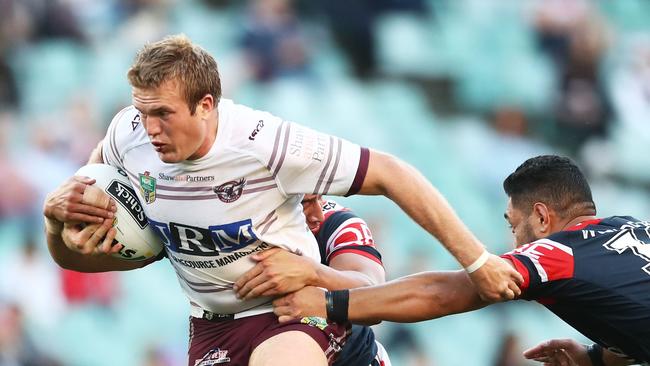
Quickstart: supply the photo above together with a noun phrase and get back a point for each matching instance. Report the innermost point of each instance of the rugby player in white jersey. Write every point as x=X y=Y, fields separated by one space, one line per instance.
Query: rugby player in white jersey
x=221 y=181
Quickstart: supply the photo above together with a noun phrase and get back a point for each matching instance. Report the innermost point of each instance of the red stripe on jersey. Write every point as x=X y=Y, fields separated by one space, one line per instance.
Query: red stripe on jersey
x=519 y=267
x=552 y=260
x=357 y=252
x=584 y=224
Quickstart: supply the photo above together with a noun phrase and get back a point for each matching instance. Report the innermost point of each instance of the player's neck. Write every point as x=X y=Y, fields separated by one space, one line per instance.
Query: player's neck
x=578 y=220
x=212 y=129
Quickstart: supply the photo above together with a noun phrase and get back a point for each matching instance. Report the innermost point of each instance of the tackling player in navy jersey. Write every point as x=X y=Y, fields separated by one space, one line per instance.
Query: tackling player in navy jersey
x=594 y=273
x=349 y=259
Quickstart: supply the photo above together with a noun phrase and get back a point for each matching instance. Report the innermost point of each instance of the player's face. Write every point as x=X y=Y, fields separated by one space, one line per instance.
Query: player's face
x=312 y=207
x=174 y=132
x=520 y=224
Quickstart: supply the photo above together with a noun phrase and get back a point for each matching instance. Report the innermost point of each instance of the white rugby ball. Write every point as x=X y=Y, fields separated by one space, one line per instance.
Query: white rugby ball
x=133 y=230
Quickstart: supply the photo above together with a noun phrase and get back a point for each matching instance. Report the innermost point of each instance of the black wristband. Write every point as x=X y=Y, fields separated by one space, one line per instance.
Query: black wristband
x=595 y=353
x=337 y=305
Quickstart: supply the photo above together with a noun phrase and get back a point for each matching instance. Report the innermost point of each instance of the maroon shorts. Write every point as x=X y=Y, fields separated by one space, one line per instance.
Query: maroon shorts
x=231 y=342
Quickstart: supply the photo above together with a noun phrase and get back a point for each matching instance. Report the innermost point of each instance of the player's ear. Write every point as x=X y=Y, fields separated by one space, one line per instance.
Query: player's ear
x=205 y=105
x=542 y=218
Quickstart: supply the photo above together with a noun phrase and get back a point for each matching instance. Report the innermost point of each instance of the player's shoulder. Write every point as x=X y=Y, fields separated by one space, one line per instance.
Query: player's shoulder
x=127 y=119
x=125 y=131
x=248 y=128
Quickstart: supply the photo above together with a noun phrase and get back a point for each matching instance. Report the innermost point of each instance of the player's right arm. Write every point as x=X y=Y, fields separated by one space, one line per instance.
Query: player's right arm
x=418 y=297
x=304 y=161
x=389 y=176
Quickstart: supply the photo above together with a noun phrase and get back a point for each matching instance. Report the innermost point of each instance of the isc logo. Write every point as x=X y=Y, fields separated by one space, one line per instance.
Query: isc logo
x=193 y=240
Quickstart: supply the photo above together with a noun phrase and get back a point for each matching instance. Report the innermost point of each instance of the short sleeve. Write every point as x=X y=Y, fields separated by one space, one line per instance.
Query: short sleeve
x=542 y=262
x=307 y=161
x=120 y=135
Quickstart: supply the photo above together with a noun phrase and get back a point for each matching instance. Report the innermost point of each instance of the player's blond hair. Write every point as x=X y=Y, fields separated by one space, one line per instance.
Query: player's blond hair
x=177 y=58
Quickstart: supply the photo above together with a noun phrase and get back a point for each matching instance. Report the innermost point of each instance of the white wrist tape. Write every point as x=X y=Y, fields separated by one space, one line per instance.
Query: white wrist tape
x=479 y=262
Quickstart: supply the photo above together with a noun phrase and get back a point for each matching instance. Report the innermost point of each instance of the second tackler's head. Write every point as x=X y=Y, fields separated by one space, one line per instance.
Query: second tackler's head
x=544 y=194
x=176 y=88
x=312 y=207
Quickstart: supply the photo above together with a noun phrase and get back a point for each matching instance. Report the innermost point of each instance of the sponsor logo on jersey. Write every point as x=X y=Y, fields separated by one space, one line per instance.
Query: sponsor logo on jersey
x=215 y=356
x=230 y=191
x=125 y=195
x=199 y=241
x=148 y=187
x=257 y=129
x=186 y=178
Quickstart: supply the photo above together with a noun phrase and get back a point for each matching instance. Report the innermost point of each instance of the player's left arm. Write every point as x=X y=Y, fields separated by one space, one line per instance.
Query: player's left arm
x=279 y=272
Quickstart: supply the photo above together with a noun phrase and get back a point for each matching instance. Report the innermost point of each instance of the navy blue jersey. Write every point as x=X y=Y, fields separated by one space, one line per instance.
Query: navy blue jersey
x=596 y=277
x=344 y=232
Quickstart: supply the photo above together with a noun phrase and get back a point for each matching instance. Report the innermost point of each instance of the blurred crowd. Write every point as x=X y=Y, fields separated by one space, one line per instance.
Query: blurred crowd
x=463 y=89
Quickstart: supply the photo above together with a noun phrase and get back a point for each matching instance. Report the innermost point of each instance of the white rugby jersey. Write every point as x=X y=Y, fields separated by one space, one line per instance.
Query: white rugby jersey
x=243 y=196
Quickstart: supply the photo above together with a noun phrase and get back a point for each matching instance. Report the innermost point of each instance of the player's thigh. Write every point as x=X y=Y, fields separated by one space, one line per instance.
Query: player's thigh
x=292 y=348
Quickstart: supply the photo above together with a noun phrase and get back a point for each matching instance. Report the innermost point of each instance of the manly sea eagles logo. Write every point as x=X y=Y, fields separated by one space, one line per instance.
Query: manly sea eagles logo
x=230 y=191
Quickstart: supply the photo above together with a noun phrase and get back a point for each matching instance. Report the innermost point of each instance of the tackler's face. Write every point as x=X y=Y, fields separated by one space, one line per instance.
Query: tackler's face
x=312 y=207
x=520 y=224
x=175 y=133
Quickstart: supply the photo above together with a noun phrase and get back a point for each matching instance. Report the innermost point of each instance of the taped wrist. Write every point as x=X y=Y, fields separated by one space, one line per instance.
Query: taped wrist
x=337 y=305
x=595 y=353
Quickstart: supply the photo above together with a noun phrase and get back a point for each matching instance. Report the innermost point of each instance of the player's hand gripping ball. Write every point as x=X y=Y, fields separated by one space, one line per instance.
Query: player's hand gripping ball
x=133 y=229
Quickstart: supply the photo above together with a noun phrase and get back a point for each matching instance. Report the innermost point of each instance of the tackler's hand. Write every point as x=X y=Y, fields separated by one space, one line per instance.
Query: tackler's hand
x=309 y=301
x=497 y=280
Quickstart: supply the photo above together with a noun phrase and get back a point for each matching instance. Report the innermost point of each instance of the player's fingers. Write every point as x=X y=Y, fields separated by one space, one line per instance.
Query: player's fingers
x=249 y=275
x=260 y=256
x=515 y=289
x=508 y=294
x=251 y=284
x=95 y=196
x=83 y=179
x=91 y=210
x=518 y=278
x=107 y=243
x=88 y=219
x=280 y=302
x=285 y=313
x=285 y=318
x=98 y=236
x=116 y=247
x=261 y=289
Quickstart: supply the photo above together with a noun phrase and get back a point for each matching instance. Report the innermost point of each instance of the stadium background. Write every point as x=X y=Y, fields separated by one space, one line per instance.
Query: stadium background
x=463 y=89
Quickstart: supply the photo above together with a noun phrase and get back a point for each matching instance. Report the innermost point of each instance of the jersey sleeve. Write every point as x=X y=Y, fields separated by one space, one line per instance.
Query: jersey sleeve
x=120 y=135
x=303 y=160
x=541 y=263
x=345 y=232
